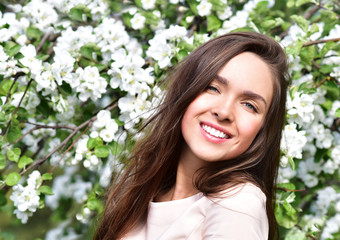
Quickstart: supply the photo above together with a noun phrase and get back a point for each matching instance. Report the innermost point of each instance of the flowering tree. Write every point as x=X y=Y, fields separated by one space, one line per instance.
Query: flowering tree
x=77 y=78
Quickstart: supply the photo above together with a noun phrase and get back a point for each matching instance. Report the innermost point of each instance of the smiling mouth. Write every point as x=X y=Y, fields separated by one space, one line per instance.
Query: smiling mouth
x=214 y=132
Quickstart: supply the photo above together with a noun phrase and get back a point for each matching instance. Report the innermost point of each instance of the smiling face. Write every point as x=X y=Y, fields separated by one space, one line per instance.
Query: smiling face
x=222 y=122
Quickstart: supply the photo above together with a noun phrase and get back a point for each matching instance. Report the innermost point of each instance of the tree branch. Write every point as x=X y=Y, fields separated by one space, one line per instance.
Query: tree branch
x=322 y=81
x=19 y=74
x=311 y=11
x=16 y=109
x=38 y=126
x=53 y=127
x=290 y=190
x=321 y=41
x=63 y=143
x=68 y=149
x=43 y=40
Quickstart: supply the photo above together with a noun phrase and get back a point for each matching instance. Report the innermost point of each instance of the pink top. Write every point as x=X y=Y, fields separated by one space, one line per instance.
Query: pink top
x=241 y=215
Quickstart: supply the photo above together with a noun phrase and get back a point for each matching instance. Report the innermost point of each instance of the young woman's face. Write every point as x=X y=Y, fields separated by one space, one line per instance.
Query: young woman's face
x=223 y=121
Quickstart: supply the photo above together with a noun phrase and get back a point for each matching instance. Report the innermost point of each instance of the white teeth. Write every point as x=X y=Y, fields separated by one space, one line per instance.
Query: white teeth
x=214 y=132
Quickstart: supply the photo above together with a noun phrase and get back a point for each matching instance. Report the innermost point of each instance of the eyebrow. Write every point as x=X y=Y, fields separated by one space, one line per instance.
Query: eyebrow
x=222 y=80
x=253 y=95
x=246 y=93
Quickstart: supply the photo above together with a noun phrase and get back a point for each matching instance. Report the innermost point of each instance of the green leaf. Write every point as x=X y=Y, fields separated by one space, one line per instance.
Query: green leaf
x=292 y=163
x=2 y=161
x=7 y=236
x=102 y=151
x=313 y=29
x=139 y=3
x=126 y=19
x=14 y=132
x=14 y=154
x=289 y=186
x=94 y=142
x=290 y=211
x=115 y=148
x=326 y=69
x=301 y=22
x=295 y=234
x=47 y=176
x=24 y=161
x=76 y=14
x=327 y=47
x=91 y=143
x=193 y=6
x=19 y=56
x=290 y=3
x=43 y=57
x=80 y=13
x=3 y=117
x=100 y=67
x=13 y=50
x=85 y=62
x=87 y=52
x=95 y=204
x=46 y=190
x=285 y=220
x=268 y=24
x=295 y=48
x=44 y=108
x=327 y=104
x=34 y=33
x=307 y=54
x=5 y=85
x=181 y=55
x=66 y=88
x=3 y=199
x=333 y=90
x=337 y=113
x=213 y=23
x=301 y=2
x=23 y=115
x=115 y=6
x=12 y=179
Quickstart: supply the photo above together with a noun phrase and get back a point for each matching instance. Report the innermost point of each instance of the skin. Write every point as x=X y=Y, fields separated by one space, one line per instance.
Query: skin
x=236 y=103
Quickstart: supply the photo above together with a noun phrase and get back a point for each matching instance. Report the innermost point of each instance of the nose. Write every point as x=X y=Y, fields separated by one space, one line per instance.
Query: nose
x=224 y=111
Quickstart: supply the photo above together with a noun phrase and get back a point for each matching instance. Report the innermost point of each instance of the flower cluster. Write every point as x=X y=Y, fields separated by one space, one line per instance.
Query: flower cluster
x=104 y=127
x=77 y=79
x=164 y=44
x=26 y=199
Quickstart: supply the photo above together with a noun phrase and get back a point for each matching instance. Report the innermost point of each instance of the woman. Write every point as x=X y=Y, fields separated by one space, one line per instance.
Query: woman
x=207 y=167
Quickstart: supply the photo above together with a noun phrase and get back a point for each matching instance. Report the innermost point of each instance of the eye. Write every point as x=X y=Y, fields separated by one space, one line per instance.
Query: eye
x=212 y=88
x=250 y=106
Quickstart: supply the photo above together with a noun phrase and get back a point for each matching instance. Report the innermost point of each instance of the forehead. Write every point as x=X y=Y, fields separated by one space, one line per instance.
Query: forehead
x=249 y=72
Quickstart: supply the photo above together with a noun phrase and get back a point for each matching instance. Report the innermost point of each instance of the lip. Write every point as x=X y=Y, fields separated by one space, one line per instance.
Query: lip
x=211 y=138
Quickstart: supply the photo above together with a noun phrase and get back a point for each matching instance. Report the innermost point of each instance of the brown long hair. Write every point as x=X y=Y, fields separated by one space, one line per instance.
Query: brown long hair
x=153 y=164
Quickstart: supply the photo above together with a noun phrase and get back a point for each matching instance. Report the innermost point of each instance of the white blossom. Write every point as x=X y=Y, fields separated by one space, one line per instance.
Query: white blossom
x=225 y=13
x=26 y=199
x=29 y=60
x=324 y=199
x=148 y=4
x=300 y=108
x=92 y=85
x=293 y=141
x=204 y=8
x=137 y=22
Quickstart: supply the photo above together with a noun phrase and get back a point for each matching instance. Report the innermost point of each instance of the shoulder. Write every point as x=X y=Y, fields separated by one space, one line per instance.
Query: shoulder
x=245 y=198
x=239 y=213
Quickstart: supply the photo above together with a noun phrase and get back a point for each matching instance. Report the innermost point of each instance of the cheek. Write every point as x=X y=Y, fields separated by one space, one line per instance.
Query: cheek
x=250 y=128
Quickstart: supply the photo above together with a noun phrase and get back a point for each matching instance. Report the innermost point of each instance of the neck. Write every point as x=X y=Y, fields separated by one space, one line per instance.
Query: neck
x=187 y=167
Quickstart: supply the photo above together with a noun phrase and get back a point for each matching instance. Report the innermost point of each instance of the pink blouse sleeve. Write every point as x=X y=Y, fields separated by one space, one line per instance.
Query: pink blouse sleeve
x=241 y=216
